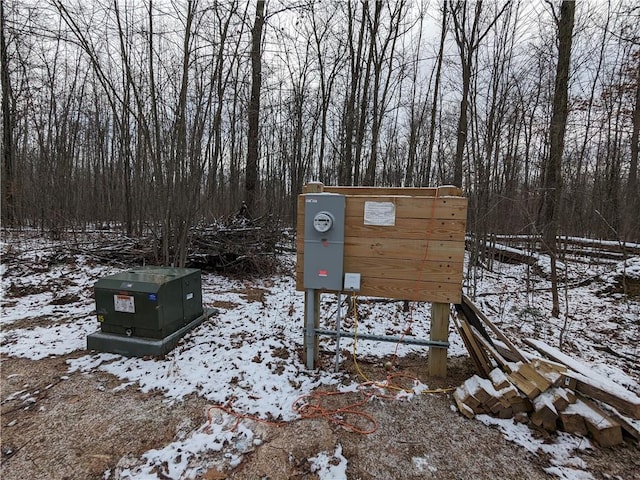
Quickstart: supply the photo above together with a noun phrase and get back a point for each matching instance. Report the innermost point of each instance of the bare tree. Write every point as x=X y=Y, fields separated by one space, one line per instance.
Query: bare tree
x=632 y=201
x=552 y=181
x=468 y=34
x=382 y=58
x=330 y=53
x=426 y=176
x=356 y=49
x=8 y=153
x=251 y=170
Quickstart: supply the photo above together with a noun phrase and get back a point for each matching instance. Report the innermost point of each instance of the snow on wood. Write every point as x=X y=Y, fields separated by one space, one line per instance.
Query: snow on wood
x=592 y=383
x=603 y=429
x=572 y=422
x=594 y=243
x=499 y=379
x=531 y=374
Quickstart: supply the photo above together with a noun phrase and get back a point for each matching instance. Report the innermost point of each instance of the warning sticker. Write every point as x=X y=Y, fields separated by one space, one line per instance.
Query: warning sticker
x=380 y=213
x=124 y=303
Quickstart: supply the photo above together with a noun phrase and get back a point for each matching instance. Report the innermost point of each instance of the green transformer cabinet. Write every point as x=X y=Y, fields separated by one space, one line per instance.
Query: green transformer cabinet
x=149 y=302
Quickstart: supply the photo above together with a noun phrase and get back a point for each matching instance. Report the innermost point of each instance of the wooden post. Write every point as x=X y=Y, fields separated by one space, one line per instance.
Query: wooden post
x=314 y=187
x=439 y=332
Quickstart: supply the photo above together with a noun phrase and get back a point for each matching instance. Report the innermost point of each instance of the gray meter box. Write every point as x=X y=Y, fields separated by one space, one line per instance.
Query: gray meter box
x=149 y=302
x=324 y=216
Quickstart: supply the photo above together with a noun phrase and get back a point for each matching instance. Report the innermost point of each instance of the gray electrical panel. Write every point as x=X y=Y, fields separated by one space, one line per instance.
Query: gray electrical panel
x=323 y=241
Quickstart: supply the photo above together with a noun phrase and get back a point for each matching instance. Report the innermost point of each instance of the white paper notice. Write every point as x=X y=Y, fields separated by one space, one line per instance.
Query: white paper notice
x=124 y=303
x=380 y=213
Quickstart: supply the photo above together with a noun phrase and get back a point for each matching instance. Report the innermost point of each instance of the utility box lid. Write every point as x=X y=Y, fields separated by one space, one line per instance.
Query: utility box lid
x=146 y=279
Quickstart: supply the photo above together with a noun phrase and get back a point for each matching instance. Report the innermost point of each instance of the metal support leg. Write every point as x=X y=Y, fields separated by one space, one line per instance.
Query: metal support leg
x=309 y=332
x=338 y=331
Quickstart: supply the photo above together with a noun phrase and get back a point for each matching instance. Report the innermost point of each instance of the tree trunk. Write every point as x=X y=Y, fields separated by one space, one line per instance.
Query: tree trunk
x=346 y=172
x=552 y=181
x=8 y=156
x=632 y=182
x=426 y=177
x=251 y=179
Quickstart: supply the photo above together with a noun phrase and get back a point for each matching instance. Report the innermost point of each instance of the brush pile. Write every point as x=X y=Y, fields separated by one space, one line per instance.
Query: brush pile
x=236 y=246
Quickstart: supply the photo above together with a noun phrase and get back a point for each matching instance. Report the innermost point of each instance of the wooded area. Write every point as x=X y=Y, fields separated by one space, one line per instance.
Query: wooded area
x=156 y=116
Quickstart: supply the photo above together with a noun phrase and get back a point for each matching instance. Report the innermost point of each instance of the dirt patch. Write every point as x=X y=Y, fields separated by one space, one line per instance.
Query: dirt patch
x=43 y=321
x=64 y=425
x=224 y=304
x=252 y=294
x=76 y=426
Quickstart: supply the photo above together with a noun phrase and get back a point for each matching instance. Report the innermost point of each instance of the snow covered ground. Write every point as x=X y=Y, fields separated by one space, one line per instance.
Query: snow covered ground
x=246 y=355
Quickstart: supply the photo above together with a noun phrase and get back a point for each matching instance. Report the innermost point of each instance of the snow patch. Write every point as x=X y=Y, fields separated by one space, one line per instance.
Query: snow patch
x=329 y=466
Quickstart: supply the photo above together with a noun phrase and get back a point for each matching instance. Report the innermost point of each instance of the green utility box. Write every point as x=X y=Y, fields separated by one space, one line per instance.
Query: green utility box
x=149 y=302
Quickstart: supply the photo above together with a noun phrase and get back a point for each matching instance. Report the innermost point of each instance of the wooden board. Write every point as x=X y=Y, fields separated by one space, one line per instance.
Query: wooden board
x=404 y=290
x=421 y=251
x=605 y=430
x=427 y=209
x=489 y=348
x=544 y=414
x=530 y=373
x=591 y=383
x=524 y=385
x=414 y=192
x=572 y=422
x=467 y=301
x=410 y=228
x=420 y=257
x=629 y=405
x=403 y=269
x=477 y=354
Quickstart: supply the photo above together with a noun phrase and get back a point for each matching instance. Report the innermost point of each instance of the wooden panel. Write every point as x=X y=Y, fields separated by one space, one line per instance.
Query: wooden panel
x=401 y=269
x=404 y=248
x=447 y=190
x=404 y=290
x=399 y=248
x=416 y=228
x=420 y=257
x=411 y=228
x=406 y=269
x=450 y=208
x=388 y=251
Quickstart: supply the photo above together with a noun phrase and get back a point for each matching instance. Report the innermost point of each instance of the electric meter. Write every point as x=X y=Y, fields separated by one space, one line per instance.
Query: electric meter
x=323 y=241
x=322 y=222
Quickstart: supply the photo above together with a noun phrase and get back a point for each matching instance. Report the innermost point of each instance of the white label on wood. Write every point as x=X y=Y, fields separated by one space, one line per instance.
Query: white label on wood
x=380 y=213
x=124 y=303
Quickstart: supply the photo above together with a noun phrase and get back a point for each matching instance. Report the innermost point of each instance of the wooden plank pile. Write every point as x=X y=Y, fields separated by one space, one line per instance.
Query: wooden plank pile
x=554 y=392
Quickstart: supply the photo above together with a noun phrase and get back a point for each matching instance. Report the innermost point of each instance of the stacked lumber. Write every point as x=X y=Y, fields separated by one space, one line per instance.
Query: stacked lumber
x=496 y=396
x=551 y=393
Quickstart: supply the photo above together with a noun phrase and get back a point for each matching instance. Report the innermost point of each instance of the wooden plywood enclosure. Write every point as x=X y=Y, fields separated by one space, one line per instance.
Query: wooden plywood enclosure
x=418 y=256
